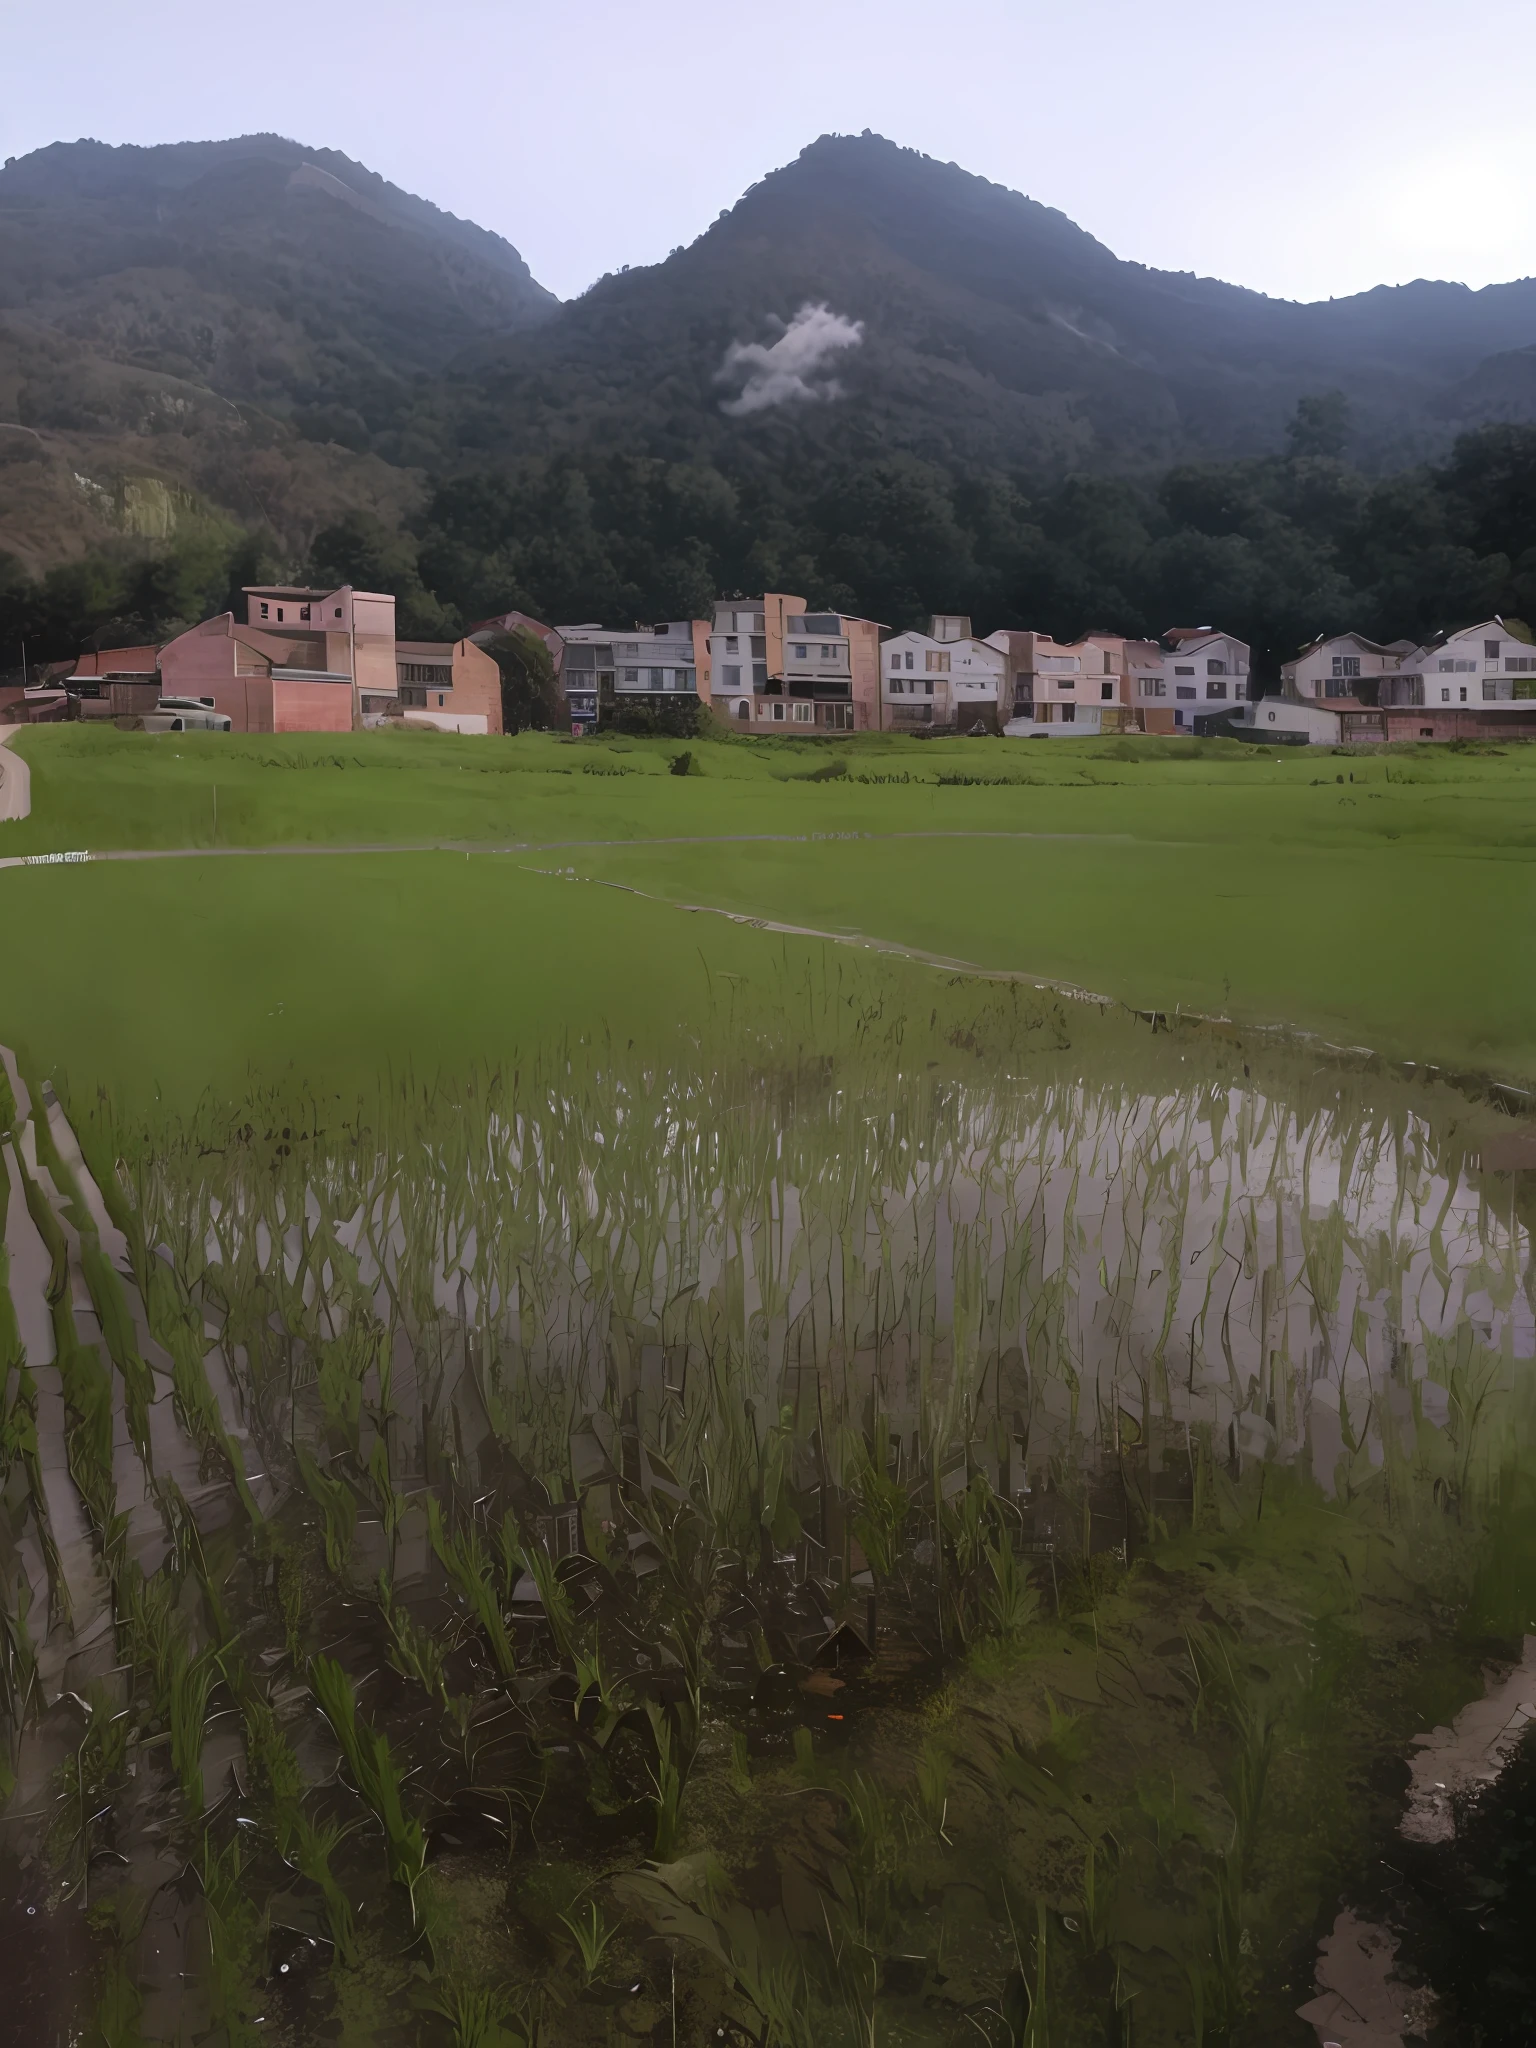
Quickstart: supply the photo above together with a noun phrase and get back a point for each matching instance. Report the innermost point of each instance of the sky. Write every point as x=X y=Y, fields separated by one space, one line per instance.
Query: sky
x=1306 y=148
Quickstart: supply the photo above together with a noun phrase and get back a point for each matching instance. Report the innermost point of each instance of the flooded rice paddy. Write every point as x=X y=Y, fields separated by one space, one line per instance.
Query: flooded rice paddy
x=888 y=1542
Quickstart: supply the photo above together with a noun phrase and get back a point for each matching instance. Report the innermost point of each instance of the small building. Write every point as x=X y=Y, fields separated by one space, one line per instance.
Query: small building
x=945 y=677
x=1294 y=721
x=116 y=682
x=450 y=684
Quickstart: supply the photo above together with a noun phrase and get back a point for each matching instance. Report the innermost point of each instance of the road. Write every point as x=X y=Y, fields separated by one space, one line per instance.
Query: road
x=15 y=777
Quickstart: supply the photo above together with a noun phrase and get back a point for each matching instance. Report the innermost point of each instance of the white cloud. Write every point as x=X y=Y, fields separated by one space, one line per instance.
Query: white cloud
x=790 y=368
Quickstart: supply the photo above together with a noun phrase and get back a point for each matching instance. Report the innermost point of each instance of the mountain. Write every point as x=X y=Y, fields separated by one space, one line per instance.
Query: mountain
x=261 y=333
x=994 y=330
x=243 y=322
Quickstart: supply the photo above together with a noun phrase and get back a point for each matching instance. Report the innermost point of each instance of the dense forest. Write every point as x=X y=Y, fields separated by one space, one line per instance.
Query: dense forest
x=1276 y=549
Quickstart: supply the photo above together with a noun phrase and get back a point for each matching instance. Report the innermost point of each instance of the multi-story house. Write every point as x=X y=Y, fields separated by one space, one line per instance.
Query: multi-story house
x=944 y=677
x=773 y=663
x=1341 y=670
x=1074 y=689
x=1479 y=680
x=304 y=660
x=1203 y=674
x=602 y=671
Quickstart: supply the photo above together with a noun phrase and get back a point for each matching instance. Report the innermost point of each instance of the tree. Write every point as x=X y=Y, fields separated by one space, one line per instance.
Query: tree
x=530 y=691
x=1320 y=425
x=361 y=550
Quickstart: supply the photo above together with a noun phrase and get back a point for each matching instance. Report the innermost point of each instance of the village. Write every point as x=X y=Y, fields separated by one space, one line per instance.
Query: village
x=314 y=660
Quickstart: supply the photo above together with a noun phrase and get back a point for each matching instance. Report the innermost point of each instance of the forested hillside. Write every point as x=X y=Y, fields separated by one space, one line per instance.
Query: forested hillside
x=225 y=332
x=1276 y=549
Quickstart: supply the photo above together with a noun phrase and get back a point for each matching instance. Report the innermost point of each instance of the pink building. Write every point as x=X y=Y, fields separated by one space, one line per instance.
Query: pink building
x=304 y=660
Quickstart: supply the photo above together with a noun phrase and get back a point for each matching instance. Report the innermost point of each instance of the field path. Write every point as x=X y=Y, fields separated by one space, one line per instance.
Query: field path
x=469 y=846
x=15 y=779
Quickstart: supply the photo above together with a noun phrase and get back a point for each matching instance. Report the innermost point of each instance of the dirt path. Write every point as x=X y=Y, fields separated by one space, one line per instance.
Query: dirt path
x=15 y=778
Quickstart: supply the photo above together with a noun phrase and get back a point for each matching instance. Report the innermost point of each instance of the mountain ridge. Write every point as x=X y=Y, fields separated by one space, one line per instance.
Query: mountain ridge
x=271 y=331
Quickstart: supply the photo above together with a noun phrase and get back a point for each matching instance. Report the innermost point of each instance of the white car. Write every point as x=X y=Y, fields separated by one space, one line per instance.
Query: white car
x=186 y=714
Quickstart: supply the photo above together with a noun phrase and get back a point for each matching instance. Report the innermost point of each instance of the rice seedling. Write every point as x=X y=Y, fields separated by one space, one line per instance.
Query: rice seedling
x=375 y=1772
x=593 y=1935
x=478 y=1581
x=710 y=1358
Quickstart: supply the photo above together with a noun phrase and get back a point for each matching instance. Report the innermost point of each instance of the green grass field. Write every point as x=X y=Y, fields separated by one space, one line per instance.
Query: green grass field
x=1380 y=899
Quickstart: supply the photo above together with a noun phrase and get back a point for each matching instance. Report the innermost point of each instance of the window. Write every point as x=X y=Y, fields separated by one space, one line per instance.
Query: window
x=1184 y=690
x=1239 y=691
x=778 y=714
x=839 y=717
x=759 y=646
x=937 y=664
x=1215 y=668
x=730 y=675
x=1500 y=690
x=1068 y=714
x=264 y=608
x=1107 y=692
x=1445 y=696
x=1109 y=663
x=1066 y=682
x=441 y=700
x=656 y=676
x=1492 y=649
x=279 y=614
x=1463 y=693
x=1153 y=686
x=338 y=611
x=759 y=675
x=304 y=613
x=631 y=675
x=805 y=714
x=732 y=645
x=1519 y=664
x=743 y=709
x=928 y=687
x=801 y=652
x=1346 y=664
x=895 y=660
x=898 y=687
x=1183 y=671
x=910 y=659
x=1215 y=689
x=829 y=653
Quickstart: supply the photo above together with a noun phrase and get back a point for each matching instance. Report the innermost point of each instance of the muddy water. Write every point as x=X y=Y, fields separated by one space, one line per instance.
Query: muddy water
x=809 y=1560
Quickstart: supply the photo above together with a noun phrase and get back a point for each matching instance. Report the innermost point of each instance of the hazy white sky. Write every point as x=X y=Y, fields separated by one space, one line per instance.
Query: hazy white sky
x=1304 y=147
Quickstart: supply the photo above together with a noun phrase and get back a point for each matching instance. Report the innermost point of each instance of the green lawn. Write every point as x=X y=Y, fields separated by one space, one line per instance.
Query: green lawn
x=1395 y=909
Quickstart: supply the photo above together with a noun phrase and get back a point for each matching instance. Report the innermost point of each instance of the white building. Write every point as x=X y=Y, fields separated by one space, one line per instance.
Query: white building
x=1203 y=674
x=945 y=676
x=1477 y=667
x=1334 y=667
